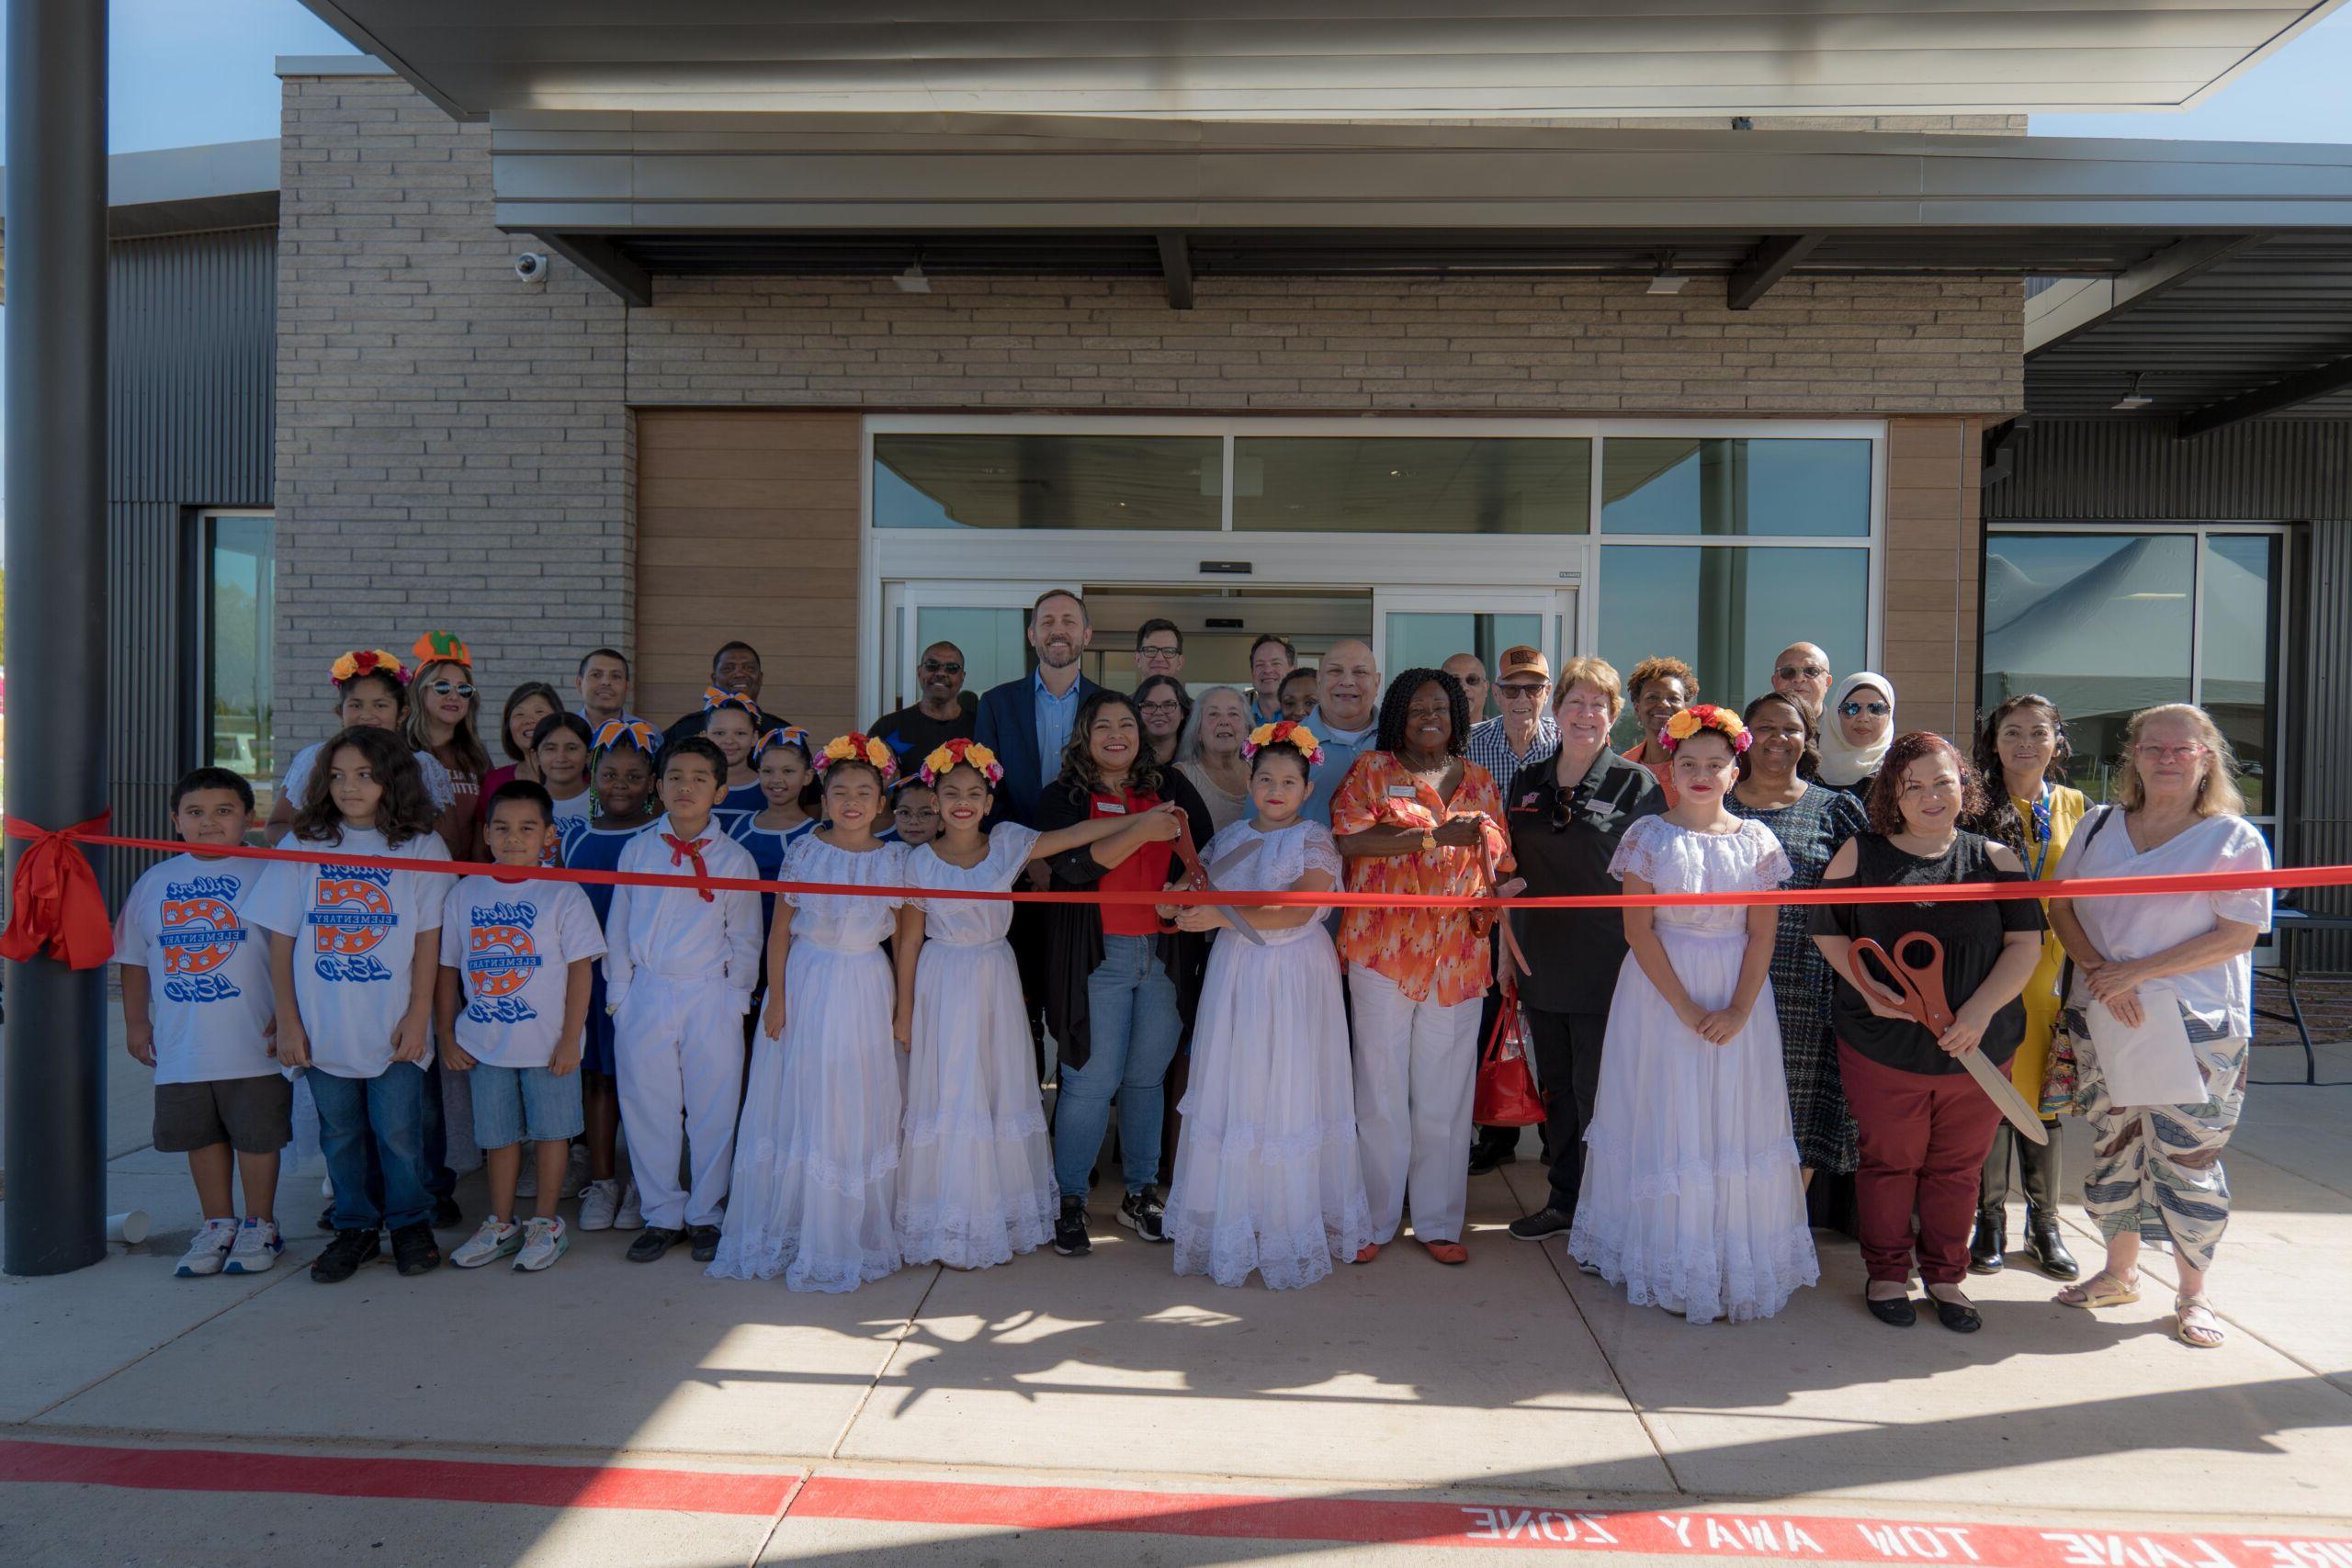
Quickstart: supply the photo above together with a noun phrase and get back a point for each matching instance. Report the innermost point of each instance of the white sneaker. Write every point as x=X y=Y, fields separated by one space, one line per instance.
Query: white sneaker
x=526 y=1183
x=496 y=1239
x=544 y=1241
x=631 y=1215
x=575 y=1171
x=599 y=1201
x=207 y=1250
x=257 y=1247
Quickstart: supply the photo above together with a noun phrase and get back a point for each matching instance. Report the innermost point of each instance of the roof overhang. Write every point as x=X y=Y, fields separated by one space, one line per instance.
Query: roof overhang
x=1321 y=58
x=183 y=190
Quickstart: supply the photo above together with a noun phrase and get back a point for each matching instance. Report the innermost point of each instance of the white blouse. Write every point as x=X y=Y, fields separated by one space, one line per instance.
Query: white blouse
x=2221 y=995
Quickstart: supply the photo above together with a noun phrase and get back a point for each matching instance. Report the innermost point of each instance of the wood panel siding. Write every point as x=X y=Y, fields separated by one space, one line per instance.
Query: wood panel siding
x=747 y=529
x=1934 y=557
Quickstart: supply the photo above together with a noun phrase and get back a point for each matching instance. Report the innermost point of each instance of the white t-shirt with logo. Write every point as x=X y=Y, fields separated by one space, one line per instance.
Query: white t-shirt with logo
x=355 y=930
x=571 y=819
x=513 y=944
x=207 y=966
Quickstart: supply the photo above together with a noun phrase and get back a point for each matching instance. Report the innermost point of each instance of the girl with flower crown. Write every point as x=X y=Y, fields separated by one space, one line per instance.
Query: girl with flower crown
x=1268 y=1176
x=370 y=691
x=1692 y=1198
x=976 y=1180
x=816 y=1152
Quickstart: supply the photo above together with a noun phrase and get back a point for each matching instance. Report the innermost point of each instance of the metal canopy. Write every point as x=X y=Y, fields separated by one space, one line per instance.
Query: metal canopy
x=1320 y=59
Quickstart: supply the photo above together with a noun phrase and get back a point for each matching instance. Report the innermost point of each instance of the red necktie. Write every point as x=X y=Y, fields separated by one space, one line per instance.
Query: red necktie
x=682 y=851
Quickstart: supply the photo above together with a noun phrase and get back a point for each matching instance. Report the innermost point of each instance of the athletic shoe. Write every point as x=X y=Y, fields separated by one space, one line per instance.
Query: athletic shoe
x=544 y=1241
x=526 y=1183
x=631 y=1215
x=447 y=1214
x=257 y=1247
x=703 y=1239
x=326 y=1218
x=652 y=1242
x=415 y=1251
x=1541 y=1224
x=1069 y=1231
x=1143 y=1214
x=575 y=1171
x=326 y=1187
x=343 y=1256
x=494 y=1240
x=207 y=1250
x=599 y=1201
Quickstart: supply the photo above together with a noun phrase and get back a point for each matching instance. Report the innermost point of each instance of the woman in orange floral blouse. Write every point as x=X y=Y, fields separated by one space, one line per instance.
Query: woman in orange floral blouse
x=1416 y=817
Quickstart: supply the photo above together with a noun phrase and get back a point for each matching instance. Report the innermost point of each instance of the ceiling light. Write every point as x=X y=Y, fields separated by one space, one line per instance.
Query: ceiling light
x=2135 y=399
x=912 y=280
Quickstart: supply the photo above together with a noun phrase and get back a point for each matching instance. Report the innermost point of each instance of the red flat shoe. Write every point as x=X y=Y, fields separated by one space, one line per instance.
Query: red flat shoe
x=1448 y=1251
x=1369 y=1251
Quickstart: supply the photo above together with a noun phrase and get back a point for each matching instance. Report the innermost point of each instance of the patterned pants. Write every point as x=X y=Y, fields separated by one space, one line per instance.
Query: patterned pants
x=2157 y=1169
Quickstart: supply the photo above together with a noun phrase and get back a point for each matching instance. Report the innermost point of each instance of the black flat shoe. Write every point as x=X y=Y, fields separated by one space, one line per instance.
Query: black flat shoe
x=2048 y=1248
x=1958 y=1317
x=1482 y=1161
x=1897 y=1312
x=703 y=1241
x=1986 y=1249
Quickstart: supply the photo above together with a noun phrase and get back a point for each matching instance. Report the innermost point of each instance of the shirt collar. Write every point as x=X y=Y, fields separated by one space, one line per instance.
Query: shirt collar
x=1324 y=729
x=1045 y=692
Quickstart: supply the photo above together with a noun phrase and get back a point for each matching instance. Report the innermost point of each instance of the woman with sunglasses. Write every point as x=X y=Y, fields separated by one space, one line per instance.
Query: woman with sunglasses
x=1566 y=815
x=443 y=702
x=1857 y=727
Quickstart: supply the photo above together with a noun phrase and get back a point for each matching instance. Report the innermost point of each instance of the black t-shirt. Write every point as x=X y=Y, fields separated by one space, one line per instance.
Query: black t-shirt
x=914 y=734
x=1972 y=934
x=1574 y=954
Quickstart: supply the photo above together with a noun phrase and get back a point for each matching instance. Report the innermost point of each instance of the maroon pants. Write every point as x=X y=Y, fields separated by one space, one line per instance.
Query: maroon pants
x=1924 y=1137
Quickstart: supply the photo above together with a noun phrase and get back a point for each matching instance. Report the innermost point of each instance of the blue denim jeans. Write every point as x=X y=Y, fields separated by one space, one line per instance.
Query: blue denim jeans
x=372 y=1131
x=1131 y=1013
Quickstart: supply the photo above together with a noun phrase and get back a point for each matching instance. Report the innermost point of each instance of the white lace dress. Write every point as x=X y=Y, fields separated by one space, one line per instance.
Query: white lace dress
x=975 y=1173
x=1691 y=1196
x=816 y=1152
x=1267 y=1173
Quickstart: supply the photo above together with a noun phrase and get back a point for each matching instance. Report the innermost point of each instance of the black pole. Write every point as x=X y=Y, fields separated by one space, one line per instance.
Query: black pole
x=56 y=451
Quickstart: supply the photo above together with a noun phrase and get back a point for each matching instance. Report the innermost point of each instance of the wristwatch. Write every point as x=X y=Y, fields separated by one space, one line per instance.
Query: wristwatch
x=1428 y=841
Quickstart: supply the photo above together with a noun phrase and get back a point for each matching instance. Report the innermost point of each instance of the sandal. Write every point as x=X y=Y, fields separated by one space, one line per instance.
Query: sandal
x=2195 y=1325
x=2104 y=1289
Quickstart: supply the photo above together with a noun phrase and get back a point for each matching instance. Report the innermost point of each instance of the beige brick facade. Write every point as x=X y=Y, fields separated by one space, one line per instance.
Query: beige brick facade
x=456 y=447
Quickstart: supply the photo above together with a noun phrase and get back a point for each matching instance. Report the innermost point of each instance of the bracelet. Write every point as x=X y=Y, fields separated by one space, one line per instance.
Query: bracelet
x=1429 y=842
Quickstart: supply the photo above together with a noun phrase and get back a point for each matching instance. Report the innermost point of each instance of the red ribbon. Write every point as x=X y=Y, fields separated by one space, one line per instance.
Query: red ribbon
x=54 y=902
x=683 y=850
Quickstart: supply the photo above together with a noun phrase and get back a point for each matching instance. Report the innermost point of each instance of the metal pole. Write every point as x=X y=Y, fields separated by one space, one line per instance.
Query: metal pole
x=56 y=450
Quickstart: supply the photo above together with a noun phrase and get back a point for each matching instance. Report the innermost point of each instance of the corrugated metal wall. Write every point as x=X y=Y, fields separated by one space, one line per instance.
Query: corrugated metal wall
x=191 y=423
x=2296 y=471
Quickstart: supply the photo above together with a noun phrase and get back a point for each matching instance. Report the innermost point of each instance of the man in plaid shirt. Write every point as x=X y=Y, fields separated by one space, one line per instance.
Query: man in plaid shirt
x=1525 y=733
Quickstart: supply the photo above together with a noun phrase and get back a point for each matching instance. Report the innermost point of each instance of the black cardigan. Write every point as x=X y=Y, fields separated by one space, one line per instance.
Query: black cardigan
x=1074 y=932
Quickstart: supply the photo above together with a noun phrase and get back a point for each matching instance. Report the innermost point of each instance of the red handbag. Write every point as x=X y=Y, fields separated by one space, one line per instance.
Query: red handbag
x=1507 y=1096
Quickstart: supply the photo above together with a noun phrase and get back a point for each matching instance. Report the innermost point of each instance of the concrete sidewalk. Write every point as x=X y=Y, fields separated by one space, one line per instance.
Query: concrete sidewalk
x=1515 y=1377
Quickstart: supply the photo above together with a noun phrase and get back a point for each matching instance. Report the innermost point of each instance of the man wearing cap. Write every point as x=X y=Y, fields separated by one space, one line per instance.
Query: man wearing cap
x=1524 y=733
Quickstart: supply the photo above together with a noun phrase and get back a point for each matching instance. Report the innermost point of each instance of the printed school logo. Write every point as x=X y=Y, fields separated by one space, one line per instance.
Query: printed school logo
x=500 y=959
x=351 y=913
x=201 y=933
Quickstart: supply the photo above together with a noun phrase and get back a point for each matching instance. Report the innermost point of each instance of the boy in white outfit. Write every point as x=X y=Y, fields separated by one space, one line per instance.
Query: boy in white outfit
x=679 y=967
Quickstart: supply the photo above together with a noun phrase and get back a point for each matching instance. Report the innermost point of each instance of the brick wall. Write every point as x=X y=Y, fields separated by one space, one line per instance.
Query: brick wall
x=456 y=447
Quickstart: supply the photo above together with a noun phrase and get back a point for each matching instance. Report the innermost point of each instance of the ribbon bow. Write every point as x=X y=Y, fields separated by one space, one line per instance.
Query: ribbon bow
x=632 y=732
x=713 y=699
x=783 y=735
x=54 y=901
x=684 y=849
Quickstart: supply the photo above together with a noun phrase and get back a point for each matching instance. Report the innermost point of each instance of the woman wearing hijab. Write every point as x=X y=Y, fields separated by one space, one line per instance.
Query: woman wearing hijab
x=1857 y=727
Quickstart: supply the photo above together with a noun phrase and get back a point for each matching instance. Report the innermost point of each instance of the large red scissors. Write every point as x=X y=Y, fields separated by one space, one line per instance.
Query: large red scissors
x=1921 y=987
x=1196 y=879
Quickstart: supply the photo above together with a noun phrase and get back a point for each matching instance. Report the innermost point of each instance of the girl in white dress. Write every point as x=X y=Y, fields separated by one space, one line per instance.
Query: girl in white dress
x=975 y=1172
x=816 y=1152
x=1692 y=1198
x=1268 y=1177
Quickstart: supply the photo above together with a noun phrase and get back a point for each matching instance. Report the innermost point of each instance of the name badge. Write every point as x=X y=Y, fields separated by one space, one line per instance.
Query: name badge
x=1112 y=808
x=1403 y=792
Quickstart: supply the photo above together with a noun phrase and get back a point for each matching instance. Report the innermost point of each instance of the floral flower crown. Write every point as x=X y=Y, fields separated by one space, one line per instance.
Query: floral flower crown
x=961 y=752
x=713 y=699
x=856 y=747
x=629 y=732
x=367 y=662
x=442 y=647
x=1284 y=732
x=1705 y=716
x=782 y=735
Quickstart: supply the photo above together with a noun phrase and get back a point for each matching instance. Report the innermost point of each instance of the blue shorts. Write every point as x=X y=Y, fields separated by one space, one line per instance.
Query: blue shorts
x=514 y=1103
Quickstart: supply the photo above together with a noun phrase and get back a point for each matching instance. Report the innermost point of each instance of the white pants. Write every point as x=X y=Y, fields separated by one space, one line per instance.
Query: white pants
x=1417 y=1069
x=678 y=1046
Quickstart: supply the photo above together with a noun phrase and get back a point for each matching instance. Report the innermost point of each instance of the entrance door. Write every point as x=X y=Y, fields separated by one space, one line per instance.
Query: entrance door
x=1422 y=628
x=988 y=621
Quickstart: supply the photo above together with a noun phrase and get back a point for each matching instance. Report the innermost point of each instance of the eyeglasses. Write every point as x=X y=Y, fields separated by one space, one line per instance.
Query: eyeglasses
x=1159 y=651
x=2151 y=752
x=1855 y=710
x=941 y=667
x=450 y=688
x=1161 y=707
x=1791 y=671
x=1521 y=688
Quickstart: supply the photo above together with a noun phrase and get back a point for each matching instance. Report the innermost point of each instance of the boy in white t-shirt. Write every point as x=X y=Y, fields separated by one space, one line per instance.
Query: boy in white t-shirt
x=516 y=958
x=197 y=1007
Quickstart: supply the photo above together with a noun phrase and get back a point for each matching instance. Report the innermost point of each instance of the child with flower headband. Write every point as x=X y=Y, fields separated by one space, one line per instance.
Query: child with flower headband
x=817 y=1155
x=976 y=1179
x=1269 y=1177
x=370 y=691
x=621 y=766
x=443 y=702
x=1691 y=1197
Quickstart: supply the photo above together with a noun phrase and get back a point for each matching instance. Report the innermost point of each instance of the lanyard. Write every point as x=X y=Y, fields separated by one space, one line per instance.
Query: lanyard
x=2042 y=830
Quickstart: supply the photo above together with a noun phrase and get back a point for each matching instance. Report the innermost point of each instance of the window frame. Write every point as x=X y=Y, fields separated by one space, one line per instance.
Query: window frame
x=198 y=693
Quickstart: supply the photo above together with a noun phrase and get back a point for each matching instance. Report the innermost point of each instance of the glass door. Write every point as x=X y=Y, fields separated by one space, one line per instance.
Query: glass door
x=1422 y=628
x=989 y=622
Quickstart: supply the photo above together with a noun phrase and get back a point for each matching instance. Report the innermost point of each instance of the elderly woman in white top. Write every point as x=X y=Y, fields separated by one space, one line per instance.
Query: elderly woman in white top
x=1857 y=727
x=1209 y=753
x=2155 y=1172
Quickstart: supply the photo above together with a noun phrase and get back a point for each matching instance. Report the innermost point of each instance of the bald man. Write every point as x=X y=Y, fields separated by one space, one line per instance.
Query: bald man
x=1803 y=671
x=1467 y=669
x=1346 y=721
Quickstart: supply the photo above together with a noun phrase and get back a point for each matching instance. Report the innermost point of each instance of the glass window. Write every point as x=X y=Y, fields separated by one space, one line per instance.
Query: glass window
x=1419 y=639
x=1735 y=486
x=993 y=640
x=1371 y=484
x=1048 y=481
x=2239 y=668
x=2099 y=623
x=239 y=596
x=1726 y=611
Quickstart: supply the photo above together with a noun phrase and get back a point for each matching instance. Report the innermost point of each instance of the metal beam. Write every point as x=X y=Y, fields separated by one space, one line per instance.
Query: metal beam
x=1766 y=265
x=55 y=452
x=1176 y=264
x=2070 y=312
x=2316 y=382
x=604 y=263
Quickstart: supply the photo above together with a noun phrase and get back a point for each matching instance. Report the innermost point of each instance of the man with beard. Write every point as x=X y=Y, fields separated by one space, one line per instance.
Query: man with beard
x=1026 y=722
x=916 y=732
x=735 y=669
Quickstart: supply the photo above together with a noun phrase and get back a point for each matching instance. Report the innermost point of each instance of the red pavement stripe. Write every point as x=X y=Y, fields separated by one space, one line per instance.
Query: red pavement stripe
x=1354 y=1520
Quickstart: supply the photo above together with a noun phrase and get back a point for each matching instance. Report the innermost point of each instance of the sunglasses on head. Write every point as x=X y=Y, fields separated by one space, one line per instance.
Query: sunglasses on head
x=941 y=667
x=1855 y=710
x=451 y=688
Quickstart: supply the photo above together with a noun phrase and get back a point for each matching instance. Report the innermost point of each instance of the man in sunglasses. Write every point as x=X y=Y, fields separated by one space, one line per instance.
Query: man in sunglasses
x=920 y=728
x=1803 y=671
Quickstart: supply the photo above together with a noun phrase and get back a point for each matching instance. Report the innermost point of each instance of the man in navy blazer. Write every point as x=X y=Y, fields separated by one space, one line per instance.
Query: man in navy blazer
x=1027 y=721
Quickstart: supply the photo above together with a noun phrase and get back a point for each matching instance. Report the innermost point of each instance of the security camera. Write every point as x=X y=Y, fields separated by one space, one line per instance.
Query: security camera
x=531 y=267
